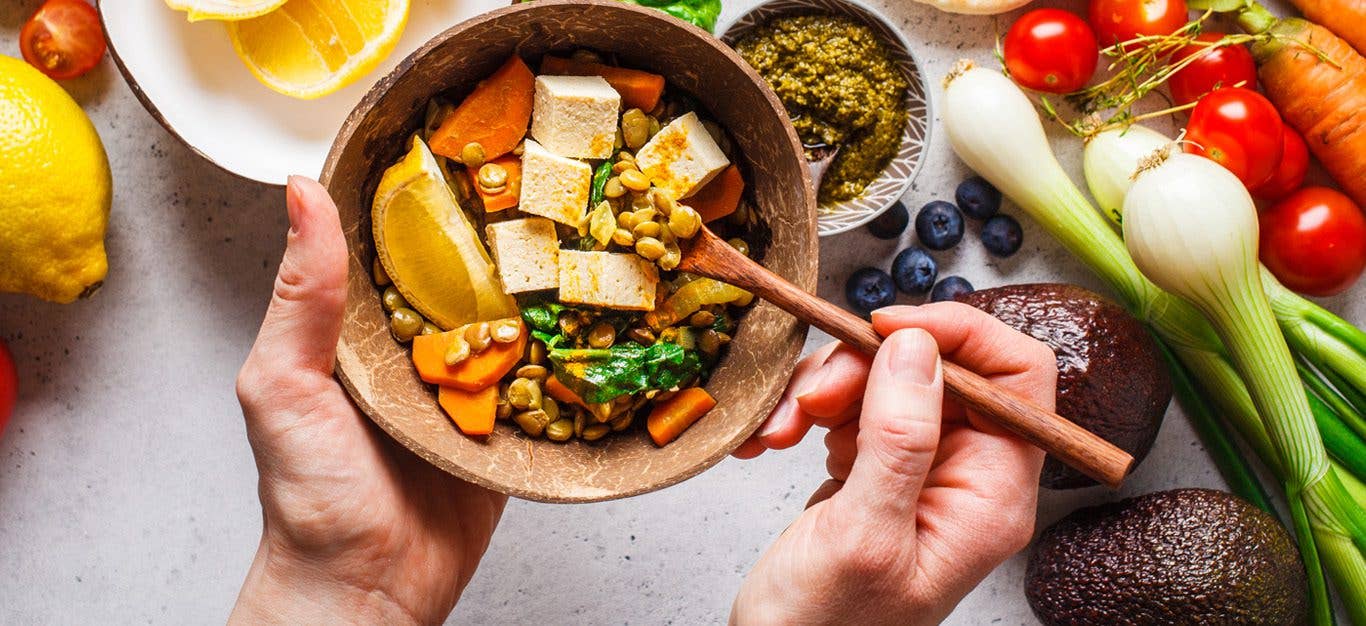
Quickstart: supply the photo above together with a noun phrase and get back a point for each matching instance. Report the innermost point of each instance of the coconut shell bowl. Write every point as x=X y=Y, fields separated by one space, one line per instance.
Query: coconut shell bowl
x=377 y=370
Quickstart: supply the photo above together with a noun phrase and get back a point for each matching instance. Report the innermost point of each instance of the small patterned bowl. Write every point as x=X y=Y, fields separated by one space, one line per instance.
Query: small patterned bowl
x=883 y=192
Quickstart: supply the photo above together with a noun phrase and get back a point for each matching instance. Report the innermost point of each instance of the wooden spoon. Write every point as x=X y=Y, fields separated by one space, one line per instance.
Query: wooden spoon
x=707 y=255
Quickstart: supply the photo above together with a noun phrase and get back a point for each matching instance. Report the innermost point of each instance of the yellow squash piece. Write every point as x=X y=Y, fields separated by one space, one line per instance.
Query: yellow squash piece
x=227 y=10
x=54 y=189
x=430 y=249
x=310 y=48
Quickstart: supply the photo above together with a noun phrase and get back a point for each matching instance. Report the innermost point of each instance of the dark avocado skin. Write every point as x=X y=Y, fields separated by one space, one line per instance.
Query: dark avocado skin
x=1112 y=379
x=1187 y=556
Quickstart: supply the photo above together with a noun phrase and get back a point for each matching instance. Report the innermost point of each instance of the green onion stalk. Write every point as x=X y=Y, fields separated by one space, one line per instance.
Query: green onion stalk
x=995 y=130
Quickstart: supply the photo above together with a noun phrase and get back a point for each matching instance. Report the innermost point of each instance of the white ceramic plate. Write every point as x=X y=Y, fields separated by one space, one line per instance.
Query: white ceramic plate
x=190 y=79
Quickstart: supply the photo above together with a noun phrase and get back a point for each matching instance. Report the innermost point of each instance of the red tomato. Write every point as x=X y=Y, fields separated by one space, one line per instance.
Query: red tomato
x=64 y=39
x=1289 y=174
x=1121 y=20
x=1239 y=129
x=1314 y=241
x=1051 y=50
x=9 y=386
x=1224 y=66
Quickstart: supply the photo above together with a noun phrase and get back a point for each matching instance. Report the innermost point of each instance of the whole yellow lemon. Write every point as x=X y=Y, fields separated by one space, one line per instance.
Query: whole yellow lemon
x=54 y=189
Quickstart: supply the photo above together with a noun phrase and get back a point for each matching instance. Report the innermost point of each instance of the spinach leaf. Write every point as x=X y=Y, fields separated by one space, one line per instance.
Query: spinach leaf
x=599 y=375
x=700 y=13
x=543 y=316
x=600 y=177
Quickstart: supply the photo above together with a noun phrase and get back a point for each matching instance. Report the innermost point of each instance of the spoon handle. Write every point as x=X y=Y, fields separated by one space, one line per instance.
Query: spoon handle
x=1073 y=445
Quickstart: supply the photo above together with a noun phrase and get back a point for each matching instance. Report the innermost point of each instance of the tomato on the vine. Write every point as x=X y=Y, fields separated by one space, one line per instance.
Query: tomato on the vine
x=1239 y=129
x=1115 y=21
x=9 y=386
x=1290 y=172
x=1225 y=66
x=1051 y=50
x=1314 y=241
x=63 y=39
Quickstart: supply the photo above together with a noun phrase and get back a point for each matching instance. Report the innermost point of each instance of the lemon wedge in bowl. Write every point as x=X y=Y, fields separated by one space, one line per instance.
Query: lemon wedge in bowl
x=310 y=48
x=430 y=249
x=227 y=10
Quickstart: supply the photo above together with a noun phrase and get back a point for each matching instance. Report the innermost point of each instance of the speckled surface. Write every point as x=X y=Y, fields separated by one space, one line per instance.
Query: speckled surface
x=127 y=490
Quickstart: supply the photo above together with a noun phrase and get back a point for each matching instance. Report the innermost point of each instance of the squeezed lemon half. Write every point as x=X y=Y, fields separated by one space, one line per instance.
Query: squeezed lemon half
x=310 y=48
x=227 y=10
x=430 y=249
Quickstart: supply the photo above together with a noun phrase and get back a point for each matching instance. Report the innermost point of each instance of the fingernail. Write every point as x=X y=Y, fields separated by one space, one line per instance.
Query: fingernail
x=914 y=357
x=815 y=382
x=780 y=416
x=292 y=204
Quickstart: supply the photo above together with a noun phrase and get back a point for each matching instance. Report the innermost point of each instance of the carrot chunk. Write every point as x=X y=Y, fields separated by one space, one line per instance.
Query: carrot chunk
x=639 y=89
x=561 y=393
x=472 y=411
x=508 y=197
x=720 y=197
x=495 y=115
x=671 y=417
x=475 y=373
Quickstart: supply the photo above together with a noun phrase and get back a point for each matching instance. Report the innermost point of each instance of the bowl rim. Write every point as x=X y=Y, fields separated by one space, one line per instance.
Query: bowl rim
x=366 y=105
x=727 y=34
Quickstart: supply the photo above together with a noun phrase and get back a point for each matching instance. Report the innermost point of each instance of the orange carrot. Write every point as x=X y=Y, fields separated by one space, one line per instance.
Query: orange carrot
x=472 y=411
x=1326 y=104
x=671 y=417
x=720 y=197
x=561 y=393
x=475 y=373
x=495 y=115
x=1346 y=18
x=639 y=89
x=508 y=197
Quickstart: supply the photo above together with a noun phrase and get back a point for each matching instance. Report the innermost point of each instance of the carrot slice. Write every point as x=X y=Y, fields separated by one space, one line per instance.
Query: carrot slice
x=495 y=115
x=671 y=417
x=639 y=89
x=561 y=393
x=720 y=197
x=472 y=411
x=475 y=373
x=508 y=197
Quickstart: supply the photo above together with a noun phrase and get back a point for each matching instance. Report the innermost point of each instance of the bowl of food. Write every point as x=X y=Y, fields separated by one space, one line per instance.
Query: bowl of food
x=516 y=196
x=855 y=93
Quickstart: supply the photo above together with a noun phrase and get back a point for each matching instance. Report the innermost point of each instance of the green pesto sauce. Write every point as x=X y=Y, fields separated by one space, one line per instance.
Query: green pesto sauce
x=840 y=86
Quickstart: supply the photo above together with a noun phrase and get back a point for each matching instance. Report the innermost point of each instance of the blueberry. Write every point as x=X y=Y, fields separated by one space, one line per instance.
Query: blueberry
x=869 y=289
x=891 y=223
x=978 y=198
x=1002 y=235
x=950 y=288
x=939 y=225
x=914 y=271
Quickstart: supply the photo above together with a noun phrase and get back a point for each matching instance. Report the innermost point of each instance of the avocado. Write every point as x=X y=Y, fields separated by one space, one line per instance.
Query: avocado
x=1112 y=380
x=1187 y=556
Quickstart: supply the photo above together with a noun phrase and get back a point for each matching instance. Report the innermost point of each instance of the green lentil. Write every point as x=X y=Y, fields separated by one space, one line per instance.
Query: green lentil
x=840 y=86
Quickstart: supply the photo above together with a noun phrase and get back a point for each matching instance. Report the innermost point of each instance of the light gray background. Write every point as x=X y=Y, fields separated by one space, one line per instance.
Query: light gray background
x=127 y=489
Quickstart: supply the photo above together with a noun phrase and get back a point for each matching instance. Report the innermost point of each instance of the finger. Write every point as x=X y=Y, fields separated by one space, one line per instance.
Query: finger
x=822 y=493
x=898 y=430
x=841 y=446
x=303 y=323
x=750 y=449
x=787 y=424
x=836 y=386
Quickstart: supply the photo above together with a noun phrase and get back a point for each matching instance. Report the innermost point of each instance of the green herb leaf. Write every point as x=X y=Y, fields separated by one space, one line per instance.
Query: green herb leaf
x=543 y=316
x=627 y=368
x=700 y=13
x=600 y=177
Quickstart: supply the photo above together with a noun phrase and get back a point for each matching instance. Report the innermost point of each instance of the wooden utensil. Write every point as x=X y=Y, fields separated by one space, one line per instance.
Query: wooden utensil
x=707 y=255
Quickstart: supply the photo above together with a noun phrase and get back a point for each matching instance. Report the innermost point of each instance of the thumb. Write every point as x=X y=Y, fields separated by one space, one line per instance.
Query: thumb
x=304 y=320
x=899 y=428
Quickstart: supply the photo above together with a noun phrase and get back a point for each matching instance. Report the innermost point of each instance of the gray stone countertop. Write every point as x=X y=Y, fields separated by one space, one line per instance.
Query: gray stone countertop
x=128 y=491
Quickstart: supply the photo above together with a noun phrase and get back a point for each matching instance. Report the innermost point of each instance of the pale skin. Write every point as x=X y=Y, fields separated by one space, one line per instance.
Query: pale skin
x=919 y=507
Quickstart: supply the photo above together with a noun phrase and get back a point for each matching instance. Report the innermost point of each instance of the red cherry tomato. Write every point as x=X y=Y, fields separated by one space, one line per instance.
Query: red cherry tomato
x=1225 y=66
x=64 y=39
x=1115 y=21
x=1239 y=129
x=1314 y=241
x=9 y=386
x=1290 y=172
x=1051 y=50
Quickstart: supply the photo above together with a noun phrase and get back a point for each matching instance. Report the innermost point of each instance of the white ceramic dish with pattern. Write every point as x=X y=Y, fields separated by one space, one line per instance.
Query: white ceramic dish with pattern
x=891 y=184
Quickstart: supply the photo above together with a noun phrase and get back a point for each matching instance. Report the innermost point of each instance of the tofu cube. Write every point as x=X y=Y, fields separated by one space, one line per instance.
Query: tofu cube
x=606 y=279
x=527 y=252
x=682 y=157
x=553 y=186
x=575 y=116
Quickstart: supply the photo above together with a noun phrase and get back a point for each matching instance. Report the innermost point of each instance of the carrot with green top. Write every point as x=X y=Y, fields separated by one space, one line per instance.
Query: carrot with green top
x=1318 y=83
